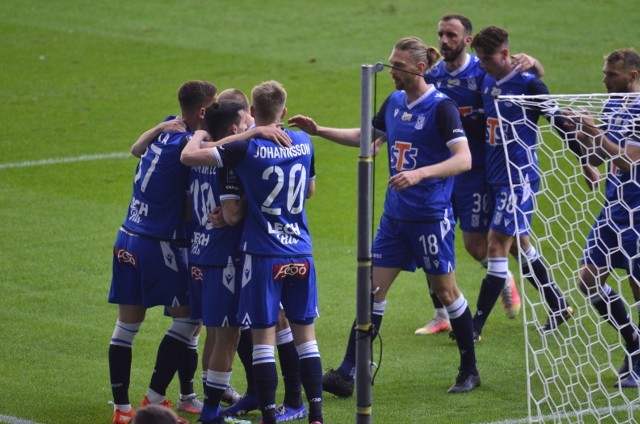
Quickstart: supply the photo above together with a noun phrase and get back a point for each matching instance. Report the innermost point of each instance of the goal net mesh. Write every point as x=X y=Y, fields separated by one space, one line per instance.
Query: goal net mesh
x=571 y=371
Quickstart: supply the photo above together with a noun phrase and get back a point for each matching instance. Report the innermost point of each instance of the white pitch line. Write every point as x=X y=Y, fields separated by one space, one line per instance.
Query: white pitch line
x=14 y=420
x=566 y=415
x=55 y=161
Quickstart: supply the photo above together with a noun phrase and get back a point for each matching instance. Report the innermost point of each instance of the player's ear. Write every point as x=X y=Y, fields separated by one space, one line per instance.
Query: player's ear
x=284 y=112
x=201 y=112
x=252 y=110
x=633 y=77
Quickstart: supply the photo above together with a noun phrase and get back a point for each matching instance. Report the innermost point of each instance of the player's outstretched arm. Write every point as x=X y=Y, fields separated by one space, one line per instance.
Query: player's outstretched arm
x=196 y=153
x=140 y=146
x=345 y=136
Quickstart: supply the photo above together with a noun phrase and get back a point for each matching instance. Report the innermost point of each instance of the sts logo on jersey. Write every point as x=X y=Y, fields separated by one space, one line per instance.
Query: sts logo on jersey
x=403 y=156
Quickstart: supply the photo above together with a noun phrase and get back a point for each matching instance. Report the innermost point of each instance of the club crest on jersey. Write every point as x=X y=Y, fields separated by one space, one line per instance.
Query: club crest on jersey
x=124 y=257
x=406 y=117
x=420 y=122
x=292 y=270
x=471 y=84
x=196 y=274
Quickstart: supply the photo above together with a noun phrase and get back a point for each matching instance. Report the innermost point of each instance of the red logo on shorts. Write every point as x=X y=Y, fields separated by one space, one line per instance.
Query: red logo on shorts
x=294 y=270
x=125 y=257
x=196 y=274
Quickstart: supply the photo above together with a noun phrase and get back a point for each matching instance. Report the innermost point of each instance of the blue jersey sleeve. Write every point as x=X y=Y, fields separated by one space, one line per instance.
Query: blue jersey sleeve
x=378 y=121
x=448 y=121
x=232 y=153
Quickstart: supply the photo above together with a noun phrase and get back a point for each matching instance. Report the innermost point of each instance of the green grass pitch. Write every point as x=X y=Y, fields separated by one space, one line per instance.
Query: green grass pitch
x=87 y=77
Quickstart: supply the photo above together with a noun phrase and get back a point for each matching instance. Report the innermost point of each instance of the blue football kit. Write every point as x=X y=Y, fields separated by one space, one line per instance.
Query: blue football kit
x=278 y=266
x=150 y=258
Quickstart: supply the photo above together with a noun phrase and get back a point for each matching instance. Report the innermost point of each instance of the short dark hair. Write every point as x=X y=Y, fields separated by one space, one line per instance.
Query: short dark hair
x=629 y=57
x=155 y=414
x=220 y=116
x=490 y=39
x=195 y=94
x=466 y=23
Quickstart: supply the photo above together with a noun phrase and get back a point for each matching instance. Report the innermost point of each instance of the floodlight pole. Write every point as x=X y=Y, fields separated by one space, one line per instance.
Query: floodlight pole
x=364 y=232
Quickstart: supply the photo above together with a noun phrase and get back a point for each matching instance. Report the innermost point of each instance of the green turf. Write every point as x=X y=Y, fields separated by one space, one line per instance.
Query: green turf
x=87 y=77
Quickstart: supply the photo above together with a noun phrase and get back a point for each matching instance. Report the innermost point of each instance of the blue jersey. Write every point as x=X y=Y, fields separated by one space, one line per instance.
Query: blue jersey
x=157 y=205
x=419 y=134
x=463 y=87
x=521 y=149
x=620 y=122
x=275 y=180
x=208 y=187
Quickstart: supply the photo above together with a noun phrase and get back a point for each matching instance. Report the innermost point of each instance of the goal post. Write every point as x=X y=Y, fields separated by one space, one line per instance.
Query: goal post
x=572 y=371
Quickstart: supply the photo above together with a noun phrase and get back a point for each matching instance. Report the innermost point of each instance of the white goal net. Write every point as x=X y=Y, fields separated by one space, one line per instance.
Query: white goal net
x=572 y=371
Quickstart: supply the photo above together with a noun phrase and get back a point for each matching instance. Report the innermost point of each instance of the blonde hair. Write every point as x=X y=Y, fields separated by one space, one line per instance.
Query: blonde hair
x=419 y=51
x=268 y=100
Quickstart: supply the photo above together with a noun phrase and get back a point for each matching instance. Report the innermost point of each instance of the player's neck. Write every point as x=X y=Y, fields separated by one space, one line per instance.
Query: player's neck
x=457 y=63
x=417 y=91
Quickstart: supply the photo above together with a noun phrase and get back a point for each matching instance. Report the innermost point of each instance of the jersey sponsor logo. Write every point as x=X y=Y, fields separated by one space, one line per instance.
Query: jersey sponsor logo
x=199 y=240
x=291 y=270
x=137 y=209
x=453 y=83
x=197 y=274
x=125 y=257
x=403 y=156
x=286 y=233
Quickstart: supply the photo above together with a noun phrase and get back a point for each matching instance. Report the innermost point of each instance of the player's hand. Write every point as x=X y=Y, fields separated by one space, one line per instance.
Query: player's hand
x=405 y=179
x=275 y=134
x=377 y=145
x=216 y=218
x=175 y=125
x=584 y=125
x=305 y=123
x=591 y=177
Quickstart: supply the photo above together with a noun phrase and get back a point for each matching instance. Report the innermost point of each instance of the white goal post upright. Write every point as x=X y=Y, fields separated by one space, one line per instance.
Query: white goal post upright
x=571 y=371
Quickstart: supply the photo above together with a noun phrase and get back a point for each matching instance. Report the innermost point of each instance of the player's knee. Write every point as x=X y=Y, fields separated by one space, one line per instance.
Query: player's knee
x=124 y=333
x=183 y=329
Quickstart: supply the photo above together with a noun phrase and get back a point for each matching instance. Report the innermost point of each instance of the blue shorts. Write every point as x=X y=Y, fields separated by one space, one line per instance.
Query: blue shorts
x=218 y=292
x=470 y=199
x=610 y=247
x=512 y=214
x=407 y=245
x=148 y=272
x=268 y=281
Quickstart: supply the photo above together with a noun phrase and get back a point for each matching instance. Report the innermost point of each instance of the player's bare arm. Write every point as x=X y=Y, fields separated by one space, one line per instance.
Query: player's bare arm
x=345 y=136
x=196 y=153
x=140 y=146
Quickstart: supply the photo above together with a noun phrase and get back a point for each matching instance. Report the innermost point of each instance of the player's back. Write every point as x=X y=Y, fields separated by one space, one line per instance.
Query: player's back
x=157 y=204
x=276 y=180
x=208 y=187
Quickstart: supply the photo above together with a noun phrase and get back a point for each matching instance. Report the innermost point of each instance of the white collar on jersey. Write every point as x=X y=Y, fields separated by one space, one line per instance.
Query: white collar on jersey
x=515 y=71
x=467 y=60
x=421 y=98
